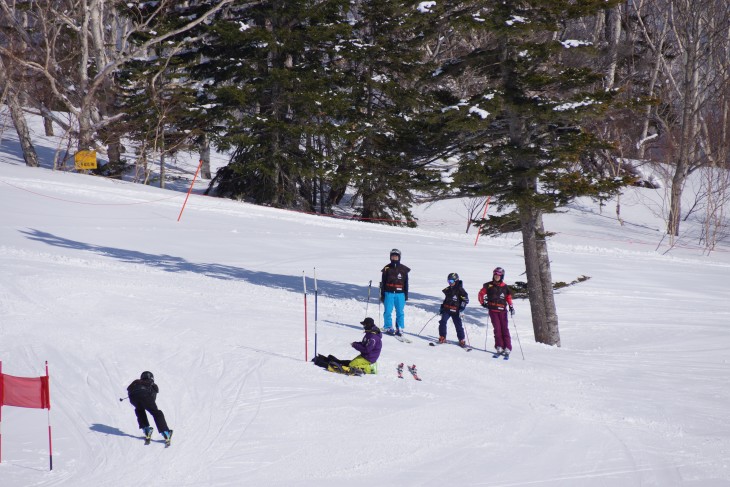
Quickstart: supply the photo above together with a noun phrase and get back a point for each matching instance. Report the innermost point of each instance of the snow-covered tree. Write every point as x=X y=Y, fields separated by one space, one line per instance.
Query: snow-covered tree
x=518 y=90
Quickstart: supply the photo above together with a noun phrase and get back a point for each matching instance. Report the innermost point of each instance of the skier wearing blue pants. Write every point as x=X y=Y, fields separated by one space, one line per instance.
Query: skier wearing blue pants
x=394 y=293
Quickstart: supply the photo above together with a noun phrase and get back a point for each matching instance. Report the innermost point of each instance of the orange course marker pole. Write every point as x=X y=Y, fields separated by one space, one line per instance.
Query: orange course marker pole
x=485 y=214
x=190 y=190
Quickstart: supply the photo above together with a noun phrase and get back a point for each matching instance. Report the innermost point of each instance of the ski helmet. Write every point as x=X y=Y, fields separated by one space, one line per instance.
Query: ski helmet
x=395 y=252
x=147 y=375
x=453 y=277
x=499 y=272
x=368 y=323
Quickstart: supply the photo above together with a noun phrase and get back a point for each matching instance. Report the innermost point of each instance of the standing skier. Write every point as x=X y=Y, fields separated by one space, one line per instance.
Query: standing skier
x=496 y=296
x=455 y=301
x=142 y=395
x=369 y=348
x=394 y=293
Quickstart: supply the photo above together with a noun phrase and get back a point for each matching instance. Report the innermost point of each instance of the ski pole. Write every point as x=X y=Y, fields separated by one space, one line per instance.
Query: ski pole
x=370 y=285
x=514 y=324
x=315 y=311
x=380 y=287
x=123 y=398
x=429 y=321
x=465 y=331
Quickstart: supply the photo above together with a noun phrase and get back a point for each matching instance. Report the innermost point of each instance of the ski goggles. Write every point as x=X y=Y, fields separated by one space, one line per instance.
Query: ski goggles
x=451 y=281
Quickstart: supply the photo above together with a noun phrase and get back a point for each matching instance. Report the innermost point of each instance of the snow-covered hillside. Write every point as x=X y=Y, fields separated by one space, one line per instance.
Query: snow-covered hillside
x=101 y=280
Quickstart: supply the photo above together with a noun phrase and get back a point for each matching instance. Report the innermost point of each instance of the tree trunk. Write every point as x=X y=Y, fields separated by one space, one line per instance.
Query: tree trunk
x=48 y=126
x=205 y=157
x=689 y=128
x=613 y=34
x=552 y=332
x=16 y=113
x=162 y=159
x=539 y=278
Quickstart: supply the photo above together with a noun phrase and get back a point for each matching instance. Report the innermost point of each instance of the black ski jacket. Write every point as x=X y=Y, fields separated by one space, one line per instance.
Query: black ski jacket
x=394 y=280
x=143 y=388
x=455 y=298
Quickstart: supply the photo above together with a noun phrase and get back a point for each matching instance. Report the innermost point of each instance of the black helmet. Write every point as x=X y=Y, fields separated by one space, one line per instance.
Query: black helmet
x=147 y=375
x=395 y=252
x=453 y=277
x=368 y=323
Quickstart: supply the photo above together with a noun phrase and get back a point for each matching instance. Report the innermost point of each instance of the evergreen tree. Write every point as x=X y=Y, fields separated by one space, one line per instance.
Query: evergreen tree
x=156 y=92
x=266 y=69
x=517 y=97
x=384 y=69
x=313 y=97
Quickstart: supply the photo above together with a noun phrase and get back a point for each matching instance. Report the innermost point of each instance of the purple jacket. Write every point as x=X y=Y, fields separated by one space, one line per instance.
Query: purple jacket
x=370 y=345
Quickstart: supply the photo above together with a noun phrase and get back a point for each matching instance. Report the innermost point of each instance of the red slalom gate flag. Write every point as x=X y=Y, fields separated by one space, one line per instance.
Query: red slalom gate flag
x=24 y=392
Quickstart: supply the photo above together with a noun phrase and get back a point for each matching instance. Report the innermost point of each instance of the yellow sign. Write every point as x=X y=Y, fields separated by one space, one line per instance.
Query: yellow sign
x=85 y=159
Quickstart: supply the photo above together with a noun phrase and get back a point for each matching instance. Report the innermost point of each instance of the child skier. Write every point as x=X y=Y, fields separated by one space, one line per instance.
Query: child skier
x=142 y=395
x=455 y=301
x=496 y=296
x=369 y=348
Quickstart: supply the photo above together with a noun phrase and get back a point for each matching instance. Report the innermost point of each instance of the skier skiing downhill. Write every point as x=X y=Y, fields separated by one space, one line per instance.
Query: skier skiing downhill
x=496 y=296
x=142 y=395
x=394 y=293
x=455 y=301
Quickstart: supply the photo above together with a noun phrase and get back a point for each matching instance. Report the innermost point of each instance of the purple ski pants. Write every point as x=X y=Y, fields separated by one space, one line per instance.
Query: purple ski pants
x=501 y=329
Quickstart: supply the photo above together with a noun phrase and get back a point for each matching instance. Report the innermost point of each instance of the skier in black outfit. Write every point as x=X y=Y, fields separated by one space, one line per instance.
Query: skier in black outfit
x=142 y=395
x=455 y=300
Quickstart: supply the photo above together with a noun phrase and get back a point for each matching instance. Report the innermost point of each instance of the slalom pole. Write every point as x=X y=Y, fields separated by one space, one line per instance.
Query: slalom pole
x=306 y=345
x=370 y=286
x=50 y=441
x=1 y=411
x=315 y=311
x=429 y=321
x=514 y=324
x=190 y=190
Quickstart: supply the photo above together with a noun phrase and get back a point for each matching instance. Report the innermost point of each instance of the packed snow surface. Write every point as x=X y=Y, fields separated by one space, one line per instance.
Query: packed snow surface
x=100 y=279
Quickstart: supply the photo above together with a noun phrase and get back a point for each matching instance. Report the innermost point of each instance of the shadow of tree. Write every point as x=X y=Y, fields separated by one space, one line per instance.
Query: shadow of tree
x=170 y=263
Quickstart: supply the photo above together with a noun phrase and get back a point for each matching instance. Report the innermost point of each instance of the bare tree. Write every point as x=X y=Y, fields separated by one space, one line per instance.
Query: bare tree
x=16 y=113
x=688 y=38
x=76 y=47
x=474 y=209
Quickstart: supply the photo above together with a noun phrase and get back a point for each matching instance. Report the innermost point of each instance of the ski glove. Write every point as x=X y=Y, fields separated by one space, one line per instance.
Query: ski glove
x=511 y=311
x=441 y=309
x=462 y=307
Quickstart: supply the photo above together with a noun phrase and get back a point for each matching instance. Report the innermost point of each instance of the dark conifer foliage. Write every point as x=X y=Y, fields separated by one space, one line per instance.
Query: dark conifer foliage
x=519 y=92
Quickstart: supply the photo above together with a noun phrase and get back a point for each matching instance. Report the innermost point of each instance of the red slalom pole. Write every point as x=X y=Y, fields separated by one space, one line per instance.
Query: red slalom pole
x=190 y=190
x=306 y=344
x=1 y=411
x=50 y=441
x=483 y=215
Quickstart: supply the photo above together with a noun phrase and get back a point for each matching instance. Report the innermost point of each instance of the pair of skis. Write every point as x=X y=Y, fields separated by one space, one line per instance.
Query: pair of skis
x=435 y=344
x=411 y=369
x=395 y=335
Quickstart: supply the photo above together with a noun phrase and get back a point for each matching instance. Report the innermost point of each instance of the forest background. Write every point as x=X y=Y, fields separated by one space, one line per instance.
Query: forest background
x=369 y=107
